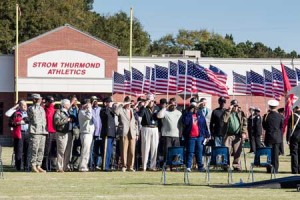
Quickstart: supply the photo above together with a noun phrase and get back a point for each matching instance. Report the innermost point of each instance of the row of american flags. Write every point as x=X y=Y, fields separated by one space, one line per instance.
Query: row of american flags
x=178 y=77
x=268 y=84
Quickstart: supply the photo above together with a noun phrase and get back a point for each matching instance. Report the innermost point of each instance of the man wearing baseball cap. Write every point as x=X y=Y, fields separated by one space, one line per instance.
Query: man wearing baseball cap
x=235 y=128
x=38 y=133
x=273 y=123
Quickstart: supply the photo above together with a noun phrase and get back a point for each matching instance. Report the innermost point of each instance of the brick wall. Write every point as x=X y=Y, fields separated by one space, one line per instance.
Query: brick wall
x=67 y=38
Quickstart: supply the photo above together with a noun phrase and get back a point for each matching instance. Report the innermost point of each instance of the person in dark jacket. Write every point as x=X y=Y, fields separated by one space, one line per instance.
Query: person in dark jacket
x=216 y=123
x=149 y=132
x=273 y=123
x=293 y=139
x=108 y=132
x=195 y=131
x=256 y=129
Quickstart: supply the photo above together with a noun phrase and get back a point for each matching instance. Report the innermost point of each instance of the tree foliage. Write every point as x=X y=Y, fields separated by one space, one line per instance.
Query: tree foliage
x=40 y=16
x=215 y=45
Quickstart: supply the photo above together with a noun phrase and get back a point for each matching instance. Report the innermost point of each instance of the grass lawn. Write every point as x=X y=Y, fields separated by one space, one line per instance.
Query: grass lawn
x=138 y=185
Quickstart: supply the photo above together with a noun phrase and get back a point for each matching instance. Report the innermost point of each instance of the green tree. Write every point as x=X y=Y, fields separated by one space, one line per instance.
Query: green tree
x=115 y=29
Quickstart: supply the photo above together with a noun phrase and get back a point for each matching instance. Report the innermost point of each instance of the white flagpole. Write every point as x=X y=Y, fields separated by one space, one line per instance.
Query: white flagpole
x=113 y=83
x=130 y=40
x=17 y=55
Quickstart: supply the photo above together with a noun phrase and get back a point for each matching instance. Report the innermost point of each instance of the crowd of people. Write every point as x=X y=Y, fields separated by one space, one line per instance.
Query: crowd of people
x=132 y=136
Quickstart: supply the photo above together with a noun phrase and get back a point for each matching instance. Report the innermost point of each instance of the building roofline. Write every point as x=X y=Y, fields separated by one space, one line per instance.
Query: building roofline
x=73 y=28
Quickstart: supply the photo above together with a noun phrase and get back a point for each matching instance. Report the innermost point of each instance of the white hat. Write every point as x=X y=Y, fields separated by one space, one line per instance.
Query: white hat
x=150 y=97
x=273 y=103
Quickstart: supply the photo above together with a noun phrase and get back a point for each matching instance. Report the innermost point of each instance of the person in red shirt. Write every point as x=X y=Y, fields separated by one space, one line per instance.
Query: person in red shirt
x=195 y=132
x=49 y=161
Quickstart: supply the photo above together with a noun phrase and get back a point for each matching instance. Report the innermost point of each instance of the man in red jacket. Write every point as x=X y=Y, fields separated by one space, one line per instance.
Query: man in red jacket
x=49 y=160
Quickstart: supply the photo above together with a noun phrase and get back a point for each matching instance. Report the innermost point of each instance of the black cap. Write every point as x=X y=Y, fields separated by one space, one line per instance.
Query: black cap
x=49 y=99
x=107 y=100
x=234 y=102
x=163 y=101
x=222 y=100
x=194 y=99
x=94 y=98
x=127 y=99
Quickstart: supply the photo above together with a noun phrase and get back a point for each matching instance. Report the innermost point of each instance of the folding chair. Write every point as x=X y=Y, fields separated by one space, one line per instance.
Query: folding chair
x=175 y=158
x=1 y=164
x=262 y=152
x=219 y=159
x=246 y=145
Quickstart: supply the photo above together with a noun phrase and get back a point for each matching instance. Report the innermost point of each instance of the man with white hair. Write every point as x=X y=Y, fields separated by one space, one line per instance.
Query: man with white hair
x=61 y=121
x=38 y=132
x=149 y=132
x=273 y=123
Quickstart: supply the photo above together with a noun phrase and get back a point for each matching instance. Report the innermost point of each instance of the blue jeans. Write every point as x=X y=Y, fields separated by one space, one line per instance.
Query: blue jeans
x=95 y=157
x=218 y=141
x=108 y=152
x=194 y=147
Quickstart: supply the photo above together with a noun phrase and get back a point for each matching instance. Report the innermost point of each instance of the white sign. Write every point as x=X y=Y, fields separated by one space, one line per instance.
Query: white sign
x=66 y=64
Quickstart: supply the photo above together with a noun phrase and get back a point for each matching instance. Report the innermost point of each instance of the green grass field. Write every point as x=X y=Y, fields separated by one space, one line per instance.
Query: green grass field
x=138 y=185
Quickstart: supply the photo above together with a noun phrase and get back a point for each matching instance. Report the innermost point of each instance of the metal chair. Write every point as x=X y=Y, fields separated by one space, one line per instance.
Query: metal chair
x=246 y=145
x=1 y=164
x=175 y=158
x=259 y=153
x=220 y=158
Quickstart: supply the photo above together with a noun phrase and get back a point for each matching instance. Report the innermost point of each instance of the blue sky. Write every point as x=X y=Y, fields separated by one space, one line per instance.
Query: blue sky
x=272 y=22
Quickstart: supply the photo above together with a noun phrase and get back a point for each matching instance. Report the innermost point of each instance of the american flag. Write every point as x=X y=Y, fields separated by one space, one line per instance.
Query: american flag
x=137 y=82
x=222 y=76
x=205 y=84
x=118 y=84
x=181 y=76
x=298 y=74
x=239 y=83
x=248 y=79
x=268 y=83
x=161 y=78
x=215 y=79
x=147 y=80
x=190 y=80
x=277 y=82
x=291 y=74
x=127 y=82
x=152 y=83
x=257 y=84
x=172 y=78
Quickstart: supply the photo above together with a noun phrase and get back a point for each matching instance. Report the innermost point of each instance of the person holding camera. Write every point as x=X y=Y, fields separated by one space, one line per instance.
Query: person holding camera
x=195 y=131
x=171 y=125
x=149 y=132
x=62 y=122
x=19 y=122
x=235 y=129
